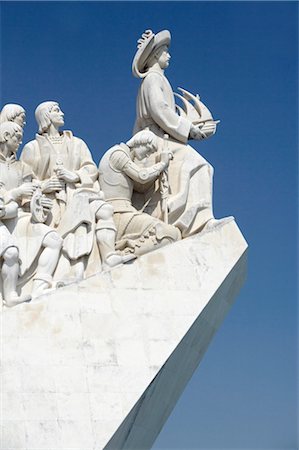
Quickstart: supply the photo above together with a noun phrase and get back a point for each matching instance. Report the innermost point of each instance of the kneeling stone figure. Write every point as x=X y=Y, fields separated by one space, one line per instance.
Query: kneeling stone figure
x=120 y=176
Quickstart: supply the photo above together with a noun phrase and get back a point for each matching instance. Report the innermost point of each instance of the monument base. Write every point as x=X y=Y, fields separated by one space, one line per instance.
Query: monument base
x=101 y=364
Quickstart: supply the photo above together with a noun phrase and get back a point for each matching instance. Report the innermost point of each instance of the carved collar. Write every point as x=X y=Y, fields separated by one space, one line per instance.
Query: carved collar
x=10 y=159
x=42 y=137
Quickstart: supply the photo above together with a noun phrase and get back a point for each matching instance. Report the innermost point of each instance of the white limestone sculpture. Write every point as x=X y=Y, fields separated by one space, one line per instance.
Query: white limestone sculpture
x=13 y=113
x=9 y=254
x=38 y=245
x=189 y=204
x=63 y=163
x=137 y=231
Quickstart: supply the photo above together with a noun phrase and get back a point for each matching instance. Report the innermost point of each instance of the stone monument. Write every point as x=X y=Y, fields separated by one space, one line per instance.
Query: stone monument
x=113 y=279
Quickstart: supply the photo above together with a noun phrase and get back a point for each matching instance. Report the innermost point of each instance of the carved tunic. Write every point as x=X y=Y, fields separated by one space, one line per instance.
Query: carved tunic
x=156 y=109
x=190 y=175
x=6 y=238
x=119 y=176
x=26 y=234
x=74 y=207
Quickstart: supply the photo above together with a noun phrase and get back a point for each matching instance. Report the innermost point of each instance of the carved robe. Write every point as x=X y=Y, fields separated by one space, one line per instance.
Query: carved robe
x=73 y=213
x=26 y=234
x=6 y=238
x=190 y=175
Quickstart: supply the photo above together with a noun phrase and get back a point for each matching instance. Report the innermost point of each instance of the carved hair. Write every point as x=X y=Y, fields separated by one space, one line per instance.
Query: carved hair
x=9 y=127
x=144 y=137
x=42 y=115
x=10 y=112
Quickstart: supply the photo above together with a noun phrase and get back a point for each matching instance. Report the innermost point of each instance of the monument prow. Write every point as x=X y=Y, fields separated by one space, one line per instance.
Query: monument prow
x=101 y=363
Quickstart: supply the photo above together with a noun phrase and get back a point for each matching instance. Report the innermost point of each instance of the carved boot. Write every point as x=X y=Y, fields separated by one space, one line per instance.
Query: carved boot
x=106 y=233
x=159 y=235
x=114 y=259
x=14 y=299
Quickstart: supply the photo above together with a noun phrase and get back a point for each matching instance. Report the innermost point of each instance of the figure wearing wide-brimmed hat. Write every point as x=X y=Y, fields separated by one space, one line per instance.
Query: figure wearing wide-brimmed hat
x=147 y=45
x=190 y=175
x=155 y=102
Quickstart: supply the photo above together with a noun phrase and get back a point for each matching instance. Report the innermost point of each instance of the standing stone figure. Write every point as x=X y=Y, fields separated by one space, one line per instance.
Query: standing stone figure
x=190 y=175
x=38 y=246
x=13 y=113
x=70 y=179
x=137 y=231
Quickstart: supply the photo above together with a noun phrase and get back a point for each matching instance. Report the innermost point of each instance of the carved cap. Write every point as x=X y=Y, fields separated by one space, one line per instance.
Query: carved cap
x=147 y=44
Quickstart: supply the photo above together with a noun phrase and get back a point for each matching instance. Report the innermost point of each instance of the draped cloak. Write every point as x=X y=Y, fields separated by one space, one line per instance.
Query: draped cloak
x=73 y=212
x=190 y=175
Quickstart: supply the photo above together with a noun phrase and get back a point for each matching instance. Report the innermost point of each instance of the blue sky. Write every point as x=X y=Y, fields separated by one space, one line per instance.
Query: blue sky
x=242 y=58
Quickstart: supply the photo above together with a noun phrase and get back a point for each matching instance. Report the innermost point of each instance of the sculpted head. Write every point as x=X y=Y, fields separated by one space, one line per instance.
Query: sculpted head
x=142 y=144
x=10 y=136
x=161 y=56
x=47 y=114
x=152 y=52
x=13 y=113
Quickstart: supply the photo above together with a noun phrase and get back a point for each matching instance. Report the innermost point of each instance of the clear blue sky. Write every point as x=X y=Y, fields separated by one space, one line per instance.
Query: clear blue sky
x=242 y=58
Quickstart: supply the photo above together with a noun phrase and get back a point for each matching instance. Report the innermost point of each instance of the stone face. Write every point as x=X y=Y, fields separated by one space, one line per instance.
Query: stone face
x=101 y=364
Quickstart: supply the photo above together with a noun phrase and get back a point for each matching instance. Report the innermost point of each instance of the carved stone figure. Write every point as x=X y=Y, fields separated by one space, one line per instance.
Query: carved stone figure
x=189 y=204
x=137 y=231
x=9 y=254
x=13 y=113
x=38 y=245
x=69 y=178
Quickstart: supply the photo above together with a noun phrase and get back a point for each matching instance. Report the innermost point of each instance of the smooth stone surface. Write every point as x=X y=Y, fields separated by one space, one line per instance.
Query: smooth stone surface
x=100 y=364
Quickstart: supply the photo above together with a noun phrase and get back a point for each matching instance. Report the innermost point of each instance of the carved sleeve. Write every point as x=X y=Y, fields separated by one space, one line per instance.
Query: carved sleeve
x=87 y=172
x=160 y=110
x=123 y=163
x=30 y=156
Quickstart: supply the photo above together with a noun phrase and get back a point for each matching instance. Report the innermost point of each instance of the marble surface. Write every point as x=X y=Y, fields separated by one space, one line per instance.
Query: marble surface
x=101 y=363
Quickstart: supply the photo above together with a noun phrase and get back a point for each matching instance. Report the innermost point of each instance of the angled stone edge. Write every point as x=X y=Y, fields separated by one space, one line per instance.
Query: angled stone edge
x=101 y=364
x=145 y=421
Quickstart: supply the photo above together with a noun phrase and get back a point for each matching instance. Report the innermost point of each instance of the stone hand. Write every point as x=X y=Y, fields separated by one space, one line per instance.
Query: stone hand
x=67 y=175
x=204 y=131
x=46 y=203
x=209 y=128
x=53 y=185
x=165 y=157
x=25 y=190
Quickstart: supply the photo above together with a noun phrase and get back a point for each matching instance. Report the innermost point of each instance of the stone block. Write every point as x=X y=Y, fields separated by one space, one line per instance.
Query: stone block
x=101 y=364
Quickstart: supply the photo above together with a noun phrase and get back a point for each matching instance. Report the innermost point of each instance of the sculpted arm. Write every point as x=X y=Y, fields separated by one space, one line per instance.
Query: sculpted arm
x=162 y=113
x=121 y=161
x=30 y=156
x=88 y=171
x=24 y=187
x=9 y=210
x=86 y=174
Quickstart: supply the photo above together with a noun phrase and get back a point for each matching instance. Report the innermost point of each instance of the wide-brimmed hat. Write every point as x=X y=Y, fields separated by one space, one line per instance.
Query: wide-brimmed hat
x=147 y=44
